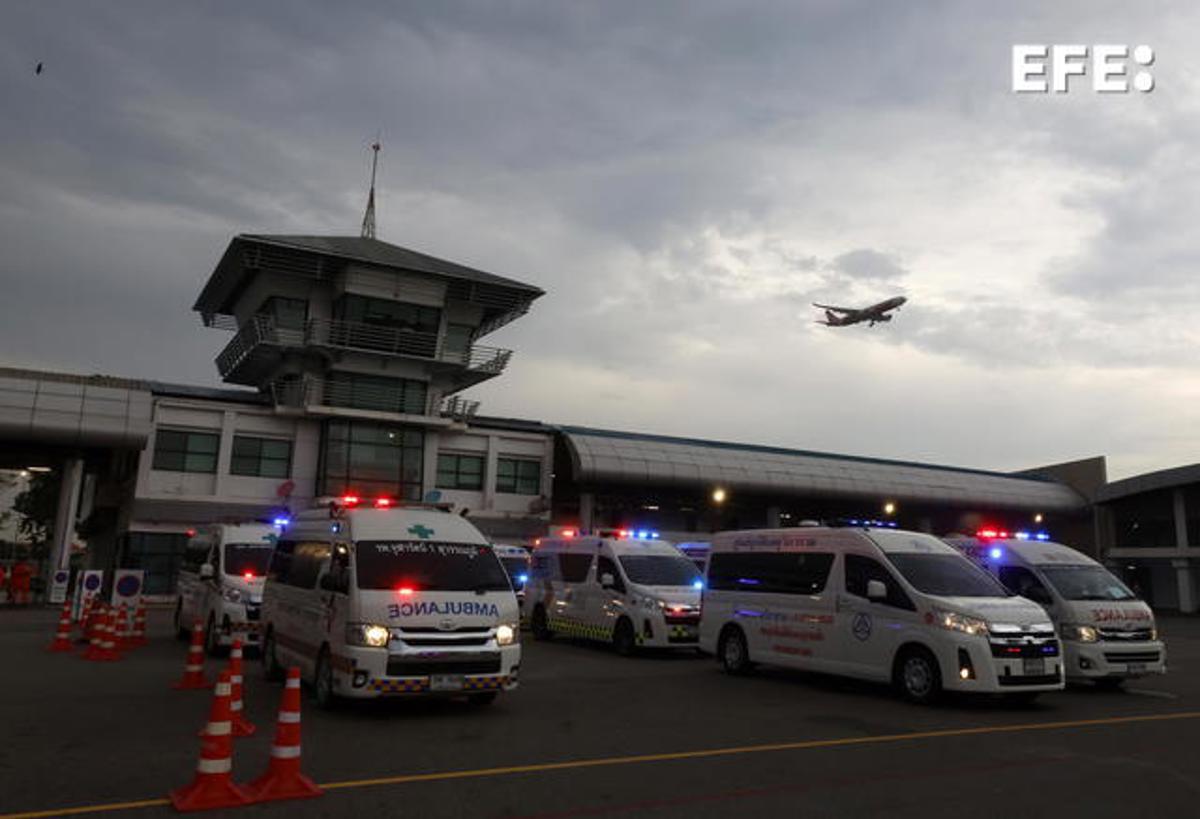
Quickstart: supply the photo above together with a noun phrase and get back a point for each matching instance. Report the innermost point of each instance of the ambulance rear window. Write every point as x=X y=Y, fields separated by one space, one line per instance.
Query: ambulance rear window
x=247 y=558
x=422 y=565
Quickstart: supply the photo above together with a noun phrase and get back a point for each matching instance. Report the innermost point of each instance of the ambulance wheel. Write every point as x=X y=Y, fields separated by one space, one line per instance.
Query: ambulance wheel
x=323 y=682
x=733 y=652
x=624 y=640
x=484 y=698
x=917 y=676
x=272 y=670
x=181 y=633
x=539 y=626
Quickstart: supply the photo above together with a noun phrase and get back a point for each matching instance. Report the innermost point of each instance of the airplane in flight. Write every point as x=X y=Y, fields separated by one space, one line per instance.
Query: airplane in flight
x=845 y=316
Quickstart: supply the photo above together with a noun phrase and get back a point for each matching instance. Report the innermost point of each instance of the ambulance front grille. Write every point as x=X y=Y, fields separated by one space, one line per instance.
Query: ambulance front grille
x=466 y=663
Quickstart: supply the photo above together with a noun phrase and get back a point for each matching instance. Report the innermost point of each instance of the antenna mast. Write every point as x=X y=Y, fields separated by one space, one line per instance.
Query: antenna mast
x=368 y=223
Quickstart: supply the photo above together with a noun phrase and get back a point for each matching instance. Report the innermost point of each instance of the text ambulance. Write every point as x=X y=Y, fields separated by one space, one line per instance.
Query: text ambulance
x=630 y=592
x=221 y=582
x=380 y=601
x=1109 y=635
x=884 y=605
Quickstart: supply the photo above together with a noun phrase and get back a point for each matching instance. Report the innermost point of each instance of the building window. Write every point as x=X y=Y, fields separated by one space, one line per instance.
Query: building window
x=159 y=555
x=518 y=477
x=460 y=472
x=261 y=457
x=371 y=460
x=392 y=326
x=288 y=314
x=178 y=451
x=376 y=392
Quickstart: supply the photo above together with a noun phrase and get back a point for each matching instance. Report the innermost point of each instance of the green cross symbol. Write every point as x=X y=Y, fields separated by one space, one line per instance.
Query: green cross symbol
x=420 y=531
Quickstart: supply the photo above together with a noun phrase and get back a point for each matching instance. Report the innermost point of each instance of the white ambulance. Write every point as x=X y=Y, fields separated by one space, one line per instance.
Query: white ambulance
x=1109 y=635
x=628 y=591
x=515 y=560
x=372 y=602
x=221 y=583
x=883 y=605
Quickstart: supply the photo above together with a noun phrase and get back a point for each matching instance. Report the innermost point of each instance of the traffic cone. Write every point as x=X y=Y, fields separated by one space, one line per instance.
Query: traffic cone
x=138 y=638
x=102 y=648
x=193 y=669
x=62 y=639
x=121 y=631
x=213 y=786
x=242 y=727
x=283 y=779
x=92 y=625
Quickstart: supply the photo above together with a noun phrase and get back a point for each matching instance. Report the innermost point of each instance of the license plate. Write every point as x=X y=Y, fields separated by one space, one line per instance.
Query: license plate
x=446 y=682
x=1137 y=668
x=1034 y=666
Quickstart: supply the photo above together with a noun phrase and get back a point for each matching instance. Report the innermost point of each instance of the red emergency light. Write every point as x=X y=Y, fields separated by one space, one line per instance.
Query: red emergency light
x=568 y=533
x=350 y=500
x=405 y=591
x=248 y=575
x=383 y=503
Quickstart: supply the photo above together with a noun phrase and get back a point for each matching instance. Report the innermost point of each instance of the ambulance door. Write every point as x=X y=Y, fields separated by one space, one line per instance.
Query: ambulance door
x=570 y=598
x=607 y=603
x=869 y=630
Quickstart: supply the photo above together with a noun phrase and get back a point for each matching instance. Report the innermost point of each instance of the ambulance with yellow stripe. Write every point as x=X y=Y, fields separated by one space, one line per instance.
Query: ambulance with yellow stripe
x=878 y=604
x=372 y=599
x=626 y=588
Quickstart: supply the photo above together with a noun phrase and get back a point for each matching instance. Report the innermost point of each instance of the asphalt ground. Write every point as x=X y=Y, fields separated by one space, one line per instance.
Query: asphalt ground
x=590 y=734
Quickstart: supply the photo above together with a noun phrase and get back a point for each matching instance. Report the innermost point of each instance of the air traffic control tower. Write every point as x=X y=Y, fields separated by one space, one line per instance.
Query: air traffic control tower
x=367 y=342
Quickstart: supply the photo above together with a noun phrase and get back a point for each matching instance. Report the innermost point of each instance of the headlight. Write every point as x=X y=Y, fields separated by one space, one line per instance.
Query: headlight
x=654 y=604
x=367 y=634
x=232 y=595
x=506 y=635
x=1080 y=633
x=1153 y=632
x=960 y=622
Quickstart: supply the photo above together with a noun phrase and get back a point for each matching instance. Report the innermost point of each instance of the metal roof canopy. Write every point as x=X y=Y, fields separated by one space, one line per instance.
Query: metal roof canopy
x=608 y=456
x=1173 y=478
x=320 y=257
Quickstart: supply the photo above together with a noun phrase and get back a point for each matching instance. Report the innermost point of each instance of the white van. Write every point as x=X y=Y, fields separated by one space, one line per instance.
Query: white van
x=630 y=592
x=697 y=552
x=221 y=583
x=1109 y=635
x=515 y=560
x=375 y=602
x=884 y=605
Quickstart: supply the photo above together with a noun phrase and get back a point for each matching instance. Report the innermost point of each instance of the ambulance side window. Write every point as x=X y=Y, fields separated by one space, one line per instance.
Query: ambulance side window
x=1019 y=580
x=605 y=565
x=542 y=566
x=574 y=566
x=281 y=561
x=861 y=569
x=307 y=561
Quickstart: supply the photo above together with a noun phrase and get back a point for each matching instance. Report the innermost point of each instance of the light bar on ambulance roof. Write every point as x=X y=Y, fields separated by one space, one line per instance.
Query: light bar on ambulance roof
x=404 y=591
x=248 y=575
x=568 y=533
x=282 y=522
x=350 y=500
x=383 y=503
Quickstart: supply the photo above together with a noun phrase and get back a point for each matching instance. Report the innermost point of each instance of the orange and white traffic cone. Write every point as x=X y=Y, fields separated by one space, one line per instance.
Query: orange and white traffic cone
x=193 y=669
x=102 y=648
x=138 y=638
x=121 y=630
x=95 y=616
x=62 y=637
x=283 y=779
x=242 y=727
x=213 y=786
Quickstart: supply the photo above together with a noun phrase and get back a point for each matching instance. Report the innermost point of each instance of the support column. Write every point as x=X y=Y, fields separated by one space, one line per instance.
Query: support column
x=64 y=517
x=587 y=510
x=772 y=517
x=1181 y=537
x=1187 y=587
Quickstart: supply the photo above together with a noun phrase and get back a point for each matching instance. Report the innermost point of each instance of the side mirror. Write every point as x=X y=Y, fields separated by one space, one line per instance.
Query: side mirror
x=876 y=590
x=207 y=571
x=607 y=581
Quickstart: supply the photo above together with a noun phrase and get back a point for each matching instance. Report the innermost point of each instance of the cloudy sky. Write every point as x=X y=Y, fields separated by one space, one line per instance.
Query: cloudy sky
x=682 y=178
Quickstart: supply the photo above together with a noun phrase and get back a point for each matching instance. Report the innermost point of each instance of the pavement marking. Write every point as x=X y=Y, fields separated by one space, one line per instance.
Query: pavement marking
x=670 y=756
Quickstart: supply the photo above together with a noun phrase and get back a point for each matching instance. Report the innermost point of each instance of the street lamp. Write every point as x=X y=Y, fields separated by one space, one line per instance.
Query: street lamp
x=1037 y=518
x=889 y=508
x=718 y=495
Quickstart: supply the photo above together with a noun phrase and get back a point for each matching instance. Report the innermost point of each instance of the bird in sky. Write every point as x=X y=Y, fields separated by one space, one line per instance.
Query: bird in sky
x=38 y=70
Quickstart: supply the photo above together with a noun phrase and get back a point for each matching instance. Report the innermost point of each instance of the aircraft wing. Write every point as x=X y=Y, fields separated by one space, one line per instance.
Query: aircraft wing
x=836 y=309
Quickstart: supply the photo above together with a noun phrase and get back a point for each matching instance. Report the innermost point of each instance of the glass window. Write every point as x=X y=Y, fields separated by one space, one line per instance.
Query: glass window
x=460 y=471
x=376 y=392
x=261 y=457
x=659 y=570
x=181 y=451
x=605 y=565
x=305 y=563
x=281 y=561
x=574 y=566
x=393 y=326
x=371 y=460
x=159 y=555
x=517 y=569
x=769 y=572
x=248 y=558
x=289 y=314
x=519 y=477
x=1085 y=583
x=421 y=564
x=945 y=575
x=860 y=570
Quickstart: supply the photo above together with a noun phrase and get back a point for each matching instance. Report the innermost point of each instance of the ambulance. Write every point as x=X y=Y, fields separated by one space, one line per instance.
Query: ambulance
x=885 y=605
x=221 y=583
x=379 y=600
x=633 y=592
x=1108 y=634
x=515 y=560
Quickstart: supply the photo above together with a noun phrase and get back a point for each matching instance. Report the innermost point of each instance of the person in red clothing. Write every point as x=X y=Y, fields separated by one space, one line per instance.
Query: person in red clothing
x=22 y=575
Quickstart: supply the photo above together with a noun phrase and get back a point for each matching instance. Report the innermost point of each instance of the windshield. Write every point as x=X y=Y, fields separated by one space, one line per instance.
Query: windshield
x=518 y=571
x=417 y=565
x=659 y=570
x=247 y=559
x=1086 y=583
x=946 y=575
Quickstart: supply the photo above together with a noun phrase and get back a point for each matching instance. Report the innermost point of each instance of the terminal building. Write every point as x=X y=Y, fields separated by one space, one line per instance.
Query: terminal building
x=345 y=371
